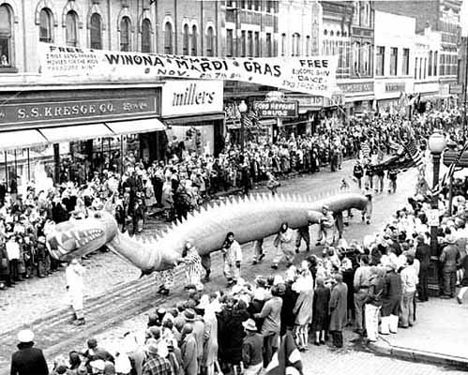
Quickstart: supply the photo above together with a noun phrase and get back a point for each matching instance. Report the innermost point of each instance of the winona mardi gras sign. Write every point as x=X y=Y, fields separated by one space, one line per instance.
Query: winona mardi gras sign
x=311 y=75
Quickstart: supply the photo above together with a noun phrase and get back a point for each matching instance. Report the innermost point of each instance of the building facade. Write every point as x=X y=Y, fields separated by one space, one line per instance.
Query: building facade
x=442 y=16
x=91 y=125
x=358 y=89
x=394 y=62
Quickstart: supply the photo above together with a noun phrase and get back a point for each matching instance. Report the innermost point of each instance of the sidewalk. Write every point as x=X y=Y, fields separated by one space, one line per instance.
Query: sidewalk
x=439 y=335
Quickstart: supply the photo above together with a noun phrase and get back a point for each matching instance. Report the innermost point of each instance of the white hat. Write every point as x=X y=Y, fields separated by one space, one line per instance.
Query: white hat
x=278 y=280
x=26 y=335
x=98 y=364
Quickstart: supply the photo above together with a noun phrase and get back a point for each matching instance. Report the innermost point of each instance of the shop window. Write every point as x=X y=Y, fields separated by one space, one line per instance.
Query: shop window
x=269 y=45
x=96 y=31
x=185 y=40
x=71 y=29
x=405 y=62
x=194 y=41
x=210 y=42
x=229 y=43
x=6 y=37
x=146 y=36
x=393 y=61
x=125 y=29
x=380 y=61
x=45 y=26
x=168 y=46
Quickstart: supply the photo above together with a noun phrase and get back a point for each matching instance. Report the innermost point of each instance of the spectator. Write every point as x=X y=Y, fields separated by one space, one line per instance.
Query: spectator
x=338 y=310
x=28 y=360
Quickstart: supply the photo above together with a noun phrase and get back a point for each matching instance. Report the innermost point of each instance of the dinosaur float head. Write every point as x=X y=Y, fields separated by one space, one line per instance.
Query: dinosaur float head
x=76 y=238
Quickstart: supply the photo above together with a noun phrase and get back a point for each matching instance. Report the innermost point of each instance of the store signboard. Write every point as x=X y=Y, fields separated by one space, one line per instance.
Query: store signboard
x=277 y=109
x=191 y=97
x=76 y=111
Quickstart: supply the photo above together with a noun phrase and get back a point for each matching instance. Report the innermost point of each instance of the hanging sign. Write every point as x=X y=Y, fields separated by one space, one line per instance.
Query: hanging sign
x=276 y=109
x=311 y=75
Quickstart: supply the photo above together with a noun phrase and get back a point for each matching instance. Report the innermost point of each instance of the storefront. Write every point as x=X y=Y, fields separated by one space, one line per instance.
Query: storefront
x=69 y=134
x=193 y=113
x=359 y=97
x=389 y=95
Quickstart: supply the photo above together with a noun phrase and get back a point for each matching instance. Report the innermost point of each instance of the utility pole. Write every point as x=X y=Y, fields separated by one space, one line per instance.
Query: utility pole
x=465 y=88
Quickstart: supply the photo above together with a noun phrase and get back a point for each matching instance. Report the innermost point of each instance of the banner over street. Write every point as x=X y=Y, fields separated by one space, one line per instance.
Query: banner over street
x=310 y=75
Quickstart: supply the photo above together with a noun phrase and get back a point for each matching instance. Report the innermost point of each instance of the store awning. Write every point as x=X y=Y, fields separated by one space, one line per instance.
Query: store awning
x=76 y=132
x=21 y=139
x=190 y=120
x=136 y=126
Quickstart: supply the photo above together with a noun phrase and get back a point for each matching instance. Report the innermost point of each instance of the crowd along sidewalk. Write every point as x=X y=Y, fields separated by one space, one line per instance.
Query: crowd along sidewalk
x=438 y=336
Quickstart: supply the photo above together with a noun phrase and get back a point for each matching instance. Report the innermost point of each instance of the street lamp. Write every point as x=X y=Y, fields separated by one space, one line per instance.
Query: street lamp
x=242 y=109
x=437 y=145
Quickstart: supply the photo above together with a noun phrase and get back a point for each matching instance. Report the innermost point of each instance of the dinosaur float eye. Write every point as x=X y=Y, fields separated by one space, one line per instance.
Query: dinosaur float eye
x=97 y=215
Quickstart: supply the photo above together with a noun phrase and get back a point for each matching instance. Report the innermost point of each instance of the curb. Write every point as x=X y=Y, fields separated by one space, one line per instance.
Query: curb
x=384 y=348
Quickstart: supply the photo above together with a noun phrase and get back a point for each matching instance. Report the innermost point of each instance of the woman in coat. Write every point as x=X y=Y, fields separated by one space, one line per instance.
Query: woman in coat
x=210 y=349
x=338 y=310
x=304 y=285
x=391 y=297
x=320 y=311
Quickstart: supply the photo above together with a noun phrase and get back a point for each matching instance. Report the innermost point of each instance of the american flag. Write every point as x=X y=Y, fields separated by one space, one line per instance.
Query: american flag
x=415 y=153
x=365 y=149
x=287 y=359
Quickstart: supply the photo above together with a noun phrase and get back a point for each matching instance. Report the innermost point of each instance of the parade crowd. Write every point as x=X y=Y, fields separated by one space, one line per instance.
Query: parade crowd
x=371 y=286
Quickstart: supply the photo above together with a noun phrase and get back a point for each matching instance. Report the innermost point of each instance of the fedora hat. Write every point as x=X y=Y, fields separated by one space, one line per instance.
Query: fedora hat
x=152 y=348
x=189 y=315
x=250 y=325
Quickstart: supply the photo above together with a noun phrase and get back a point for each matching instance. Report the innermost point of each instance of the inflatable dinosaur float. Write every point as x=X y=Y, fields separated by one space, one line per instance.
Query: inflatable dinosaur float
x=250 y=218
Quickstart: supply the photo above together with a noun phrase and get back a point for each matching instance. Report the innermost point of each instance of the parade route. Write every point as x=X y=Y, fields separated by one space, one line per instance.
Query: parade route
x=117 y=301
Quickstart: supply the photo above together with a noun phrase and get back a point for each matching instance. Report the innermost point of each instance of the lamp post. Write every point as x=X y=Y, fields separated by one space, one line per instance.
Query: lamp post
x=437 y=145
x=242 y=109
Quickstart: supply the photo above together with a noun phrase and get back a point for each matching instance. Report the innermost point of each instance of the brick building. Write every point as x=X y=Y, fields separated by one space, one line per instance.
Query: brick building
x=90 y=125
x=442 y=16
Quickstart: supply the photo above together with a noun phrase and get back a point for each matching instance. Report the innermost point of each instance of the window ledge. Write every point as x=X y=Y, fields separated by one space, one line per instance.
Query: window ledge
x=8 y=70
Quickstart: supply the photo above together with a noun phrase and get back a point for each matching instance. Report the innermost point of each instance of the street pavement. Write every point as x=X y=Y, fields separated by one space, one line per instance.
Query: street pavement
x=106 y=274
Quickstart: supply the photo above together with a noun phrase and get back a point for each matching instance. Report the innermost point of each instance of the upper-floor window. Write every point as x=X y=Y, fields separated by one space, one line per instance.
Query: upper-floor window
x=296 y=44
x=257 y=44
x=416 y=66
x=393 y=61
x=429 y=68
x=6 y=37
x=405 y=62
x=185 y=40
x=71 y=29
x=168 y=46
x=210 y=42
x=380 y=61
x=194 y=41
x=45 y=26
x=269 y=45
x=125 y=29
x=307 y=46
x=250 y=44
x=96 y=31
x=146 y=36
x=229 y=43
x=283 y=44
x=436 y=62
x=243 y=43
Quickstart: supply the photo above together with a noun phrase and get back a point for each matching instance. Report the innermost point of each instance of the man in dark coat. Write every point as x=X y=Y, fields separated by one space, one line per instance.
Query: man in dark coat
x=28 y=360
x=423 y=254
x=338 y=310
x=449 y=259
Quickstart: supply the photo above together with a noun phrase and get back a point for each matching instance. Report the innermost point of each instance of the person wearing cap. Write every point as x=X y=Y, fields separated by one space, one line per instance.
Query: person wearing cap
x=94 y=352
x=232 y=259
x=449 y=259
x=252 y=349
x=75 y=287
x=28 y=360
x=154 y=363
x=327 y=225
